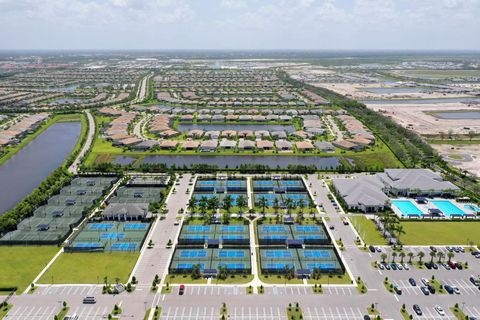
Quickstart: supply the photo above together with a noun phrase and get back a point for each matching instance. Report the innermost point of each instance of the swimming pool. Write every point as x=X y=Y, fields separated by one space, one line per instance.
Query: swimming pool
x=448 y=208
x=472 y=207
x=407 y=207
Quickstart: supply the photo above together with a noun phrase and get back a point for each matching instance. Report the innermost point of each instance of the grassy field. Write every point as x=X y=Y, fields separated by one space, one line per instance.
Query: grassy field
x=12 y=150
x=440 y=233
x=367 y=230
x=20 y=265
x=90 y=268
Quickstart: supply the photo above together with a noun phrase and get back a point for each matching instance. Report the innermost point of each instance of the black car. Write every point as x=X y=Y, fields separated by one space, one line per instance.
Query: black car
x=372 y=249
x=366 y=317
x=428 y=265
x=412 y=282
x=394 y=266
x=433 y=248
x=417 y=309
x=431 y=289
x=449 y=289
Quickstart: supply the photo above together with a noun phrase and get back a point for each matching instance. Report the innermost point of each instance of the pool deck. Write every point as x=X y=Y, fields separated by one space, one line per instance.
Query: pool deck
x=469 y=210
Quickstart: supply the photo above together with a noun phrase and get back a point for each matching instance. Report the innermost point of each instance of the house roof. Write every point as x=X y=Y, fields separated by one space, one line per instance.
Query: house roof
x=415 y=179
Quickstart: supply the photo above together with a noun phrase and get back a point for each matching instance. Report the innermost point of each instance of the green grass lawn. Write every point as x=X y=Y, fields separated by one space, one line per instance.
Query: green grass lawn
x=440 y=233
x=279 y=279
x=90 y=268
x=184 y=279
x=334 y=279
x=367 y=230
x=20 y=265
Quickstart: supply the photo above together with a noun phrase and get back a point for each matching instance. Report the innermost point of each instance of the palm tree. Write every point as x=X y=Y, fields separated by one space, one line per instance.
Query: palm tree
x=402 y=256
x=301 y=205
x=227 y=202
x=432 y=255
x=440 y=256
x=410 y=256
x=263 y=203
x=450 y=256
x=383 y=256
x=276 y=205
x=394 y=255
x=203 y=203
x=213 y=203
x=191 y=205
x=241 y=203
x=399 y=229
x=420 y=255
x=311 y=205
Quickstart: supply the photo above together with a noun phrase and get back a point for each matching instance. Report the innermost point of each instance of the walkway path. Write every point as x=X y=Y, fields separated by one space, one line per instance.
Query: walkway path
x=91 y=133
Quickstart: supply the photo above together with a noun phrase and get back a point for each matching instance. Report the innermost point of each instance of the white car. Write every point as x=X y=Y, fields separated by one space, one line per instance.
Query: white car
x=456 y=290
x=406 y=267
x=440 y=310
x=425 y=281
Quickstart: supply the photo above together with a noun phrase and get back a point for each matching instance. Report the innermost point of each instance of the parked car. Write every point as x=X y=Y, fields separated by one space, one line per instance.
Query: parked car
x=181 y=290
x=431 y=289
x=433 y=248
x=434 y=266
x=381 y=266
x=397 y=290
x=425 y=291
x=456 y=290
x=417 y=309
x=440 y=310
x=371 y=248
x=475 y=280
x=448 y=289
x=412 y=282
x=89 y=300
x=399 y=266
x=332 y=227
x=446 y=266
x=406 y=267
x=425 y=281
x=452 y=264
x=449 y=249
x=394 y=266
x=462 y=249
x=387 y=266
x=378 y=249
x=428 y=265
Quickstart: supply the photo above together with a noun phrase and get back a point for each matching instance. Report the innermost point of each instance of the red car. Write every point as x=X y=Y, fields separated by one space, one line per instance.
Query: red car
x=181 y=290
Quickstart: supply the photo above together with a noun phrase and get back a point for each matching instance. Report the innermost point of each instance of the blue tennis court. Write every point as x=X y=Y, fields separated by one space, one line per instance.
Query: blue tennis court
x=188 y=266
x=275 y=237
x=296 y=196
x=321 y=266
x=263 y=182
x=198 y=228
x=193 y=254
x=231 y=254
x=233 y=228
x=232 y=237
x=232 y=265
x=274 y=228
x=206 y=182
x=316 y=254
x=135 y=226
x=89 y=245
x=100 y=226
x=278 y=254
x=124 y=246
x=235 y=183
x=307 y=228
x=196 y=237
x=309 y=237
x=278 y=266
x=113 y=235
x=290 y=183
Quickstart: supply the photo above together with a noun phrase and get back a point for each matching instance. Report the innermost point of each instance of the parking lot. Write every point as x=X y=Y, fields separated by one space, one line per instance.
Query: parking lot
x=327 y=313
x=214 y=291
x=185 y=313
x=71 y=290
x=45 y=312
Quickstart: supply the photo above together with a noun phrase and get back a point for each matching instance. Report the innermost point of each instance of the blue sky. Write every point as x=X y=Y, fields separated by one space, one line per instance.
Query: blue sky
x=240 y=24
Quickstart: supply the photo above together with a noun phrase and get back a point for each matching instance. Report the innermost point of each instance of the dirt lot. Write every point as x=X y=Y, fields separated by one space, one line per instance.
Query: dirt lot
x=465 y=156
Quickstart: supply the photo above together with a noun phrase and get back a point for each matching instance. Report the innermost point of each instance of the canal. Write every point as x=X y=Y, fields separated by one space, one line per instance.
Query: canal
x=22 y=173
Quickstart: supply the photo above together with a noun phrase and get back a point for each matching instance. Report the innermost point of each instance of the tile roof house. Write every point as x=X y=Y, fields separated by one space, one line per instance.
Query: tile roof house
x=304 y=145
x=190 y=145
x=283 y=145
x=264 y=145
x=227 y=144
x=168 y=144
x=246 y=145
x=208 y=146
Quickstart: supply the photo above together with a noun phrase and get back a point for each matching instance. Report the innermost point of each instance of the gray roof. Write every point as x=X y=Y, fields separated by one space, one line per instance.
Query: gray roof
x=324 y=145
x=365 y=190
x=415 y=179
x=126 y=209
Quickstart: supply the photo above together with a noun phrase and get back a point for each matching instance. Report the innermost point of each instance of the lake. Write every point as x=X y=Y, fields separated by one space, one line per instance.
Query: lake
x=236 y=127
x=396 y=90
x=423 y=101
x=459 y=115
x=22 y=173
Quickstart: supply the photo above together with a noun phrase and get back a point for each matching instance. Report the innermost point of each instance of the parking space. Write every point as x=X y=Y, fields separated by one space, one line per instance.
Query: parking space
x=472 y=311
x=465 y=286
x=33 y=312
x=185 y=313
x=337 y=313
x=429 y=313
x=69 y=290
x=91 y=311
x=260 y=313
x=407 y=288
x=214 y=291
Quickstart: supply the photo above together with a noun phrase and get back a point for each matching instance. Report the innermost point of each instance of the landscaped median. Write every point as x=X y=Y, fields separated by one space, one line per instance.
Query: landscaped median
x=294 y=312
